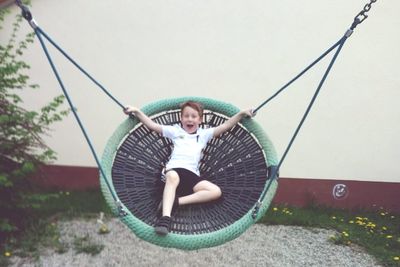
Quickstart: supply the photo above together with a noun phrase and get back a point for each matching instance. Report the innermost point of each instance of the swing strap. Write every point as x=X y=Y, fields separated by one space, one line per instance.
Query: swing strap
x=274 y=172
x=361 y=16
x=40 y=34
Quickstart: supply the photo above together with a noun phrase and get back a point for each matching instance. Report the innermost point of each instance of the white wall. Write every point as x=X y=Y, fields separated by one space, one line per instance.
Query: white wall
x=239 y=52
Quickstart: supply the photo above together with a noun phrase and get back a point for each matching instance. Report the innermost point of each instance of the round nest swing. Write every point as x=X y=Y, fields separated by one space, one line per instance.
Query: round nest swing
x=237 y=161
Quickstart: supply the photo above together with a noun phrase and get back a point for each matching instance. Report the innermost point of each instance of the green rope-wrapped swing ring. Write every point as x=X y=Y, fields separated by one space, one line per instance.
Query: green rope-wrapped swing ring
x=237 y=162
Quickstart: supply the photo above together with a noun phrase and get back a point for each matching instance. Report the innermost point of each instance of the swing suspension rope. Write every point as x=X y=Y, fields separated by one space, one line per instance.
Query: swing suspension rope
x=273 y=171
x=39 y=33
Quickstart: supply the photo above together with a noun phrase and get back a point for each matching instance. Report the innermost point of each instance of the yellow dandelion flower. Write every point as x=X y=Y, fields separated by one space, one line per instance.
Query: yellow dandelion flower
x=333 y=217
x=396 y=258
x=383 y=214
x=351 y=222
x=104 y=229
x=275 y=209
x=389 y=236
x=384 y=228
x=7 y=254
x=345 y=234
x=359 y=218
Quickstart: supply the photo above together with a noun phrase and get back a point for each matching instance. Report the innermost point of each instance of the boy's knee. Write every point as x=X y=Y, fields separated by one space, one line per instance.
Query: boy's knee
x=172 y=177
x=217 y=192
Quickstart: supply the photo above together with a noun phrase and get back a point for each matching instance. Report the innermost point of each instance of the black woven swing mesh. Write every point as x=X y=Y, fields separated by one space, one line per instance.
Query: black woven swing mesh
x=234 y=161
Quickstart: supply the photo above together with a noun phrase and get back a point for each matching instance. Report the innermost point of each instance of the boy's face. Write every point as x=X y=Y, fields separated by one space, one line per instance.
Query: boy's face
x=190 y=119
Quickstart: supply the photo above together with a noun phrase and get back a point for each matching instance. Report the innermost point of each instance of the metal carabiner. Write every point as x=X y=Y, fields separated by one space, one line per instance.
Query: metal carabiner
x=362 y=15
x=26 y=14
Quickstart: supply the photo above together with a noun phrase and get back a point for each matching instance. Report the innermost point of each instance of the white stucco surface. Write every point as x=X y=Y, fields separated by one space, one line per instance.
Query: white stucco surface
x=239 y=52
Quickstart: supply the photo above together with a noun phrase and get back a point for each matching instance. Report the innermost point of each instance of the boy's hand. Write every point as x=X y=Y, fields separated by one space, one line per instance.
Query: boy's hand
x=135 y=112
x=233 y=121
x=130 y=110
x=248 y=113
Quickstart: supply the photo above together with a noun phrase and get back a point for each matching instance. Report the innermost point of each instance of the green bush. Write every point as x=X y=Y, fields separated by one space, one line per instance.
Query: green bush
x=22 y=149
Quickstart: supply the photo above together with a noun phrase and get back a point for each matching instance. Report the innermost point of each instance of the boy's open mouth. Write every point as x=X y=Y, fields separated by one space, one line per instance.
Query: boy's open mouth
x=190 y=127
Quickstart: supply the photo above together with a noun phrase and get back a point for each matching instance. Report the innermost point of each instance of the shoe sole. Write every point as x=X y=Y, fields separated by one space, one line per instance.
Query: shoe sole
x=161 y=230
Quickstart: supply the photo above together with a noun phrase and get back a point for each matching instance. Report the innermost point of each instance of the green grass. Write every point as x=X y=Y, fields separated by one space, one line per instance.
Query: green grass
x=74 y=204
x=377 y=232
x=86 y=245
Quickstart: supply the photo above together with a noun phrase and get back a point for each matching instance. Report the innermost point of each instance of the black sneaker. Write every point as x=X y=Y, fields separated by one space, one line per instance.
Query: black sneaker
x=163 y=225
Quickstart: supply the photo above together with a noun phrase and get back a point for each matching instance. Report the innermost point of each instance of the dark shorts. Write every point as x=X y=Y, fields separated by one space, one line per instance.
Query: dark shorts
x=187 y=180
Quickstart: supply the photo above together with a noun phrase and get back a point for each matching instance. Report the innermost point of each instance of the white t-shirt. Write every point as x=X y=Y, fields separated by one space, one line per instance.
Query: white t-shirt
x=187 y=147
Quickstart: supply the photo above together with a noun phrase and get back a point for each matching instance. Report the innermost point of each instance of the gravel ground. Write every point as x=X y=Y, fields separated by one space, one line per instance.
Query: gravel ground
x=260 y=245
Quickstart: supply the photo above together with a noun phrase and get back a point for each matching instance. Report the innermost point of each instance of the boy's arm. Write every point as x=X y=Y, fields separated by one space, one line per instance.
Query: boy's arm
x=232 y=122
x=144 y=119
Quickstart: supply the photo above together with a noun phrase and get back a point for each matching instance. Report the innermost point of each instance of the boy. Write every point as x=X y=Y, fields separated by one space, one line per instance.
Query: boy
x=182 y=172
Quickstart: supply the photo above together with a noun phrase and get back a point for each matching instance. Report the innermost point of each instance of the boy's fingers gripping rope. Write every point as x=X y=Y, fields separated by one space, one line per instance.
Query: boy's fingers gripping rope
x=130 y=113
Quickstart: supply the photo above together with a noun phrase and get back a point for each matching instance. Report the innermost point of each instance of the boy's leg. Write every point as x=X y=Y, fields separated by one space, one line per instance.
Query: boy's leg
x=204 y=191
x=171 y=183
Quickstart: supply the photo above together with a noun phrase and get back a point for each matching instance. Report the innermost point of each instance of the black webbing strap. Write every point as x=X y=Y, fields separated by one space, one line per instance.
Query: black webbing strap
x=274 y=171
